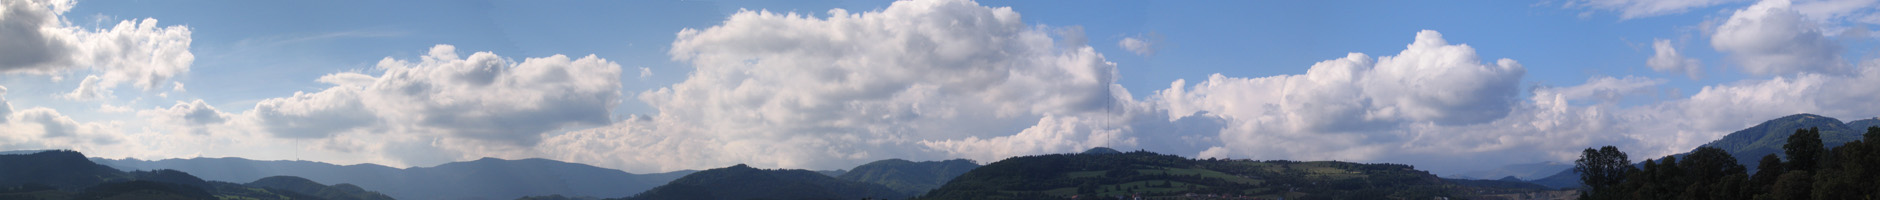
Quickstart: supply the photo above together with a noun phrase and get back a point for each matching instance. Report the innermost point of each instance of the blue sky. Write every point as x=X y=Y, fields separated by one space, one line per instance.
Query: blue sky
x=315 y=80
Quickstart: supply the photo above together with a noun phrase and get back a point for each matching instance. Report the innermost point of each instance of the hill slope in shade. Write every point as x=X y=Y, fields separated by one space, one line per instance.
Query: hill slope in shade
x=1152 y=175
x=487 y=178
x=57 y=168
x=908 y=177
x=304 y=186
x=1751 y=144
x=62 y=174
x=743 y=182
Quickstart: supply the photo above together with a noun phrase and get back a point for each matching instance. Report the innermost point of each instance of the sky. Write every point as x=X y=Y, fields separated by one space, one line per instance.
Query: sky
x=661 y=85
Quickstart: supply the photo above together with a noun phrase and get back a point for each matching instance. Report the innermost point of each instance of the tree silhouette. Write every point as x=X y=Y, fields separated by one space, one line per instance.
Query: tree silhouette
x=1600 y=170
x=1804 y=149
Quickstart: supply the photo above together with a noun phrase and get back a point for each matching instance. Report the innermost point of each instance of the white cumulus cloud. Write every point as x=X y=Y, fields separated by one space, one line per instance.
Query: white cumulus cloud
x=139 y=52
x=915 y=80
x=91 y=89
x=1344 y=108
x=438 y=108
x=1769 y=38
x=1141 y=44
x=1667 y=59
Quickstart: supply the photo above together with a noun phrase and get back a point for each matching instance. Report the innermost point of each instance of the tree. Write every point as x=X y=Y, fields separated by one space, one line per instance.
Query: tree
x=1600 y=170
x=1669 y=178
x=1709 y=165
x=1851 y=174
x=1804 y=149
x=1793 y=185
x=1767 y=171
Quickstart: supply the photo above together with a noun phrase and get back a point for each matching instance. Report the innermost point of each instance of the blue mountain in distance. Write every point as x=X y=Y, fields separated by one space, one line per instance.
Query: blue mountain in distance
x=487 y=178
x=1751 y=144
x=1523 y=171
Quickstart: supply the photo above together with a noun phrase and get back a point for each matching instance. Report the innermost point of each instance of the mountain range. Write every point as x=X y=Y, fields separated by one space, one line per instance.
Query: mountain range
x=487 y=178
x=62 y=174
x=1108 y=174
x=1524 y=171
x=1101 y=172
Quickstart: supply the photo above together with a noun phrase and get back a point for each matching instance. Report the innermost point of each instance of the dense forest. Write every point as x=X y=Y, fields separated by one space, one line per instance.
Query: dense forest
x=1805 y=169
x=1106 y=174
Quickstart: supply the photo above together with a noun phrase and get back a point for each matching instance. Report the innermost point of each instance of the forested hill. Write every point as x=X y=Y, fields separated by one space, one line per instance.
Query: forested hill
x=1751 y=144
x=487 y=178
x=61 y=174
x=743 y=182
x=1147 y=174
x=908 y=177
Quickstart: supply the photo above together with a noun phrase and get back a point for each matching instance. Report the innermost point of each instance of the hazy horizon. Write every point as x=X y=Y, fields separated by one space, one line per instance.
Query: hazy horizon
x=667 y=85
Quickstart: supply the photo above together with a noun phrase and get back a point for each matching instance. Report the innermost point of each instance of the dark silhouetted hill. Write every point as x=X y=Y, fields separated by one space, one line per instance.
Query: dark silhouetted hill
x=61 y=174
x=487 y=178
x=309 y=187
x=61 y=169
x=744 y=182
x=1151 y=176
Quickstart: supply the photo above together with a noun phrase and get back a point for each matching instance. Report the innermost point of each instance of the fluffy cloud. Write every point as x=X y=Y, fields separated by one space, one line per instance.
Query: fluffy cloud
x=1667 y=59
x=1769 y=38
x=190 y=117
x=788 y=90
x=89 y=90
x=40 y=41
x=441 y=107
x=44 y=128
x=1141 y=45
x=1331 y=111
x=1052 y=135
x=480 y=97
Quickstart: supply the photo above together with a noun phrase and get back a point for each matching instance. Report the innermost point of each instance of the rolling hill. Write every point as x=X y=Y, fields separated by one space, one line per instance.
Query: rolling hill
x=486 y=178
x=908 y=177
x=743 y=182
x=60 y=174
x=1106 y=174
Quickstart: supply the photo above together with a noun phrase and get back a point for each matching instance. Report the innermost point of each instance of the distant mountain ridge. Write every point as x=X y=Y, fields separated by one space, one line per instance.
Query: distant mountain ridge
x=487 y=178
x=63 y=174
x=1751 y=144
x=1524 y=171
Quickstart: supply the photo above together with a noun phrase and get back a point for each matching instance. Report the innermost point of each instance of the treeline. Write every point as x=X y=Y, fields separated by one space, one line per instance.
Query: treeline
x=1809 y=171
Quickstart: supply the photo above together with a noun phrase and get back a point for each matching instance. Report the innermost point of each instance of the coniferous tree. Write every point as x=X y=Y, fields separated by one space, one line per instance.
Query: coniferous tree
x=1669 y=179
x=1849 y=176
x=1804 y=149
x=1767 y=171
